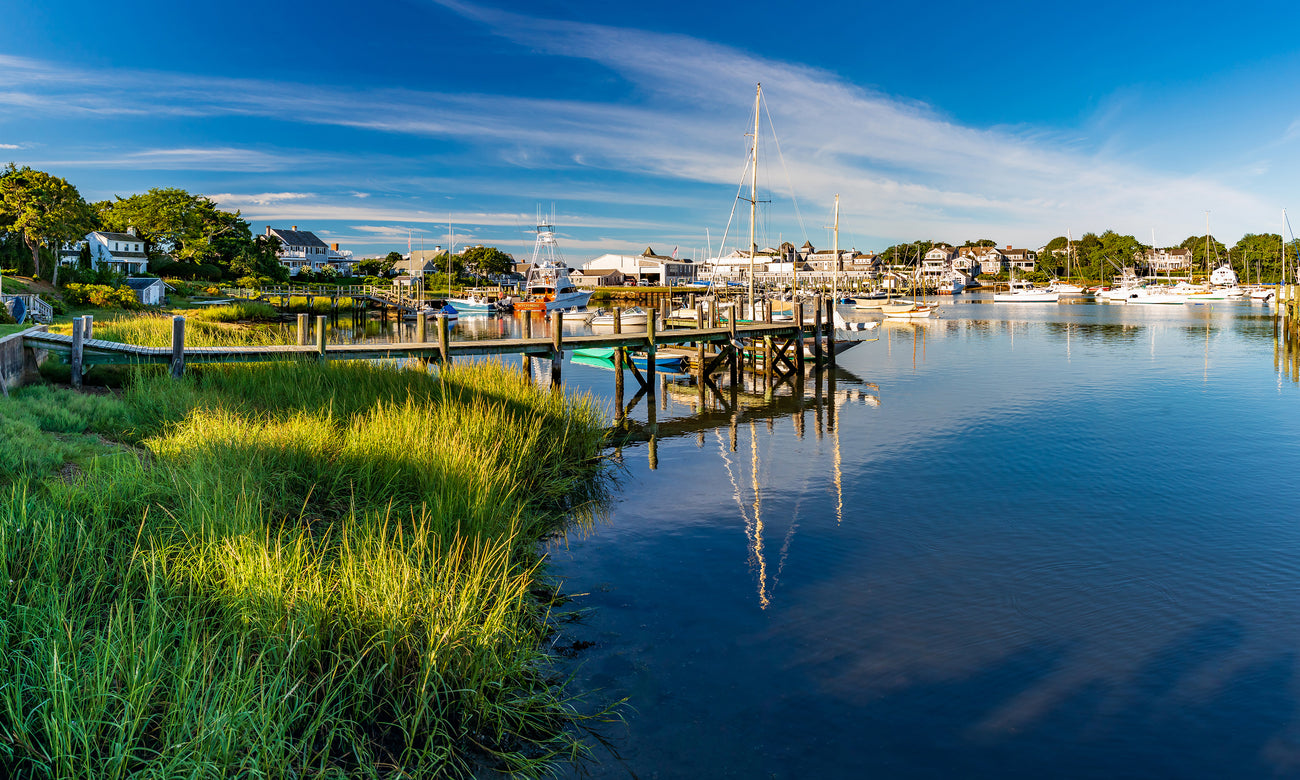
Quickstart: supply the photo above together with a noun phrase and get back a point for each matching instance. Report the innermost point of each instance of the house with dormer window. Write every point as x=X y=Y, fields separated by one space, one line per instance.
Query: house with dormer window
x=121 y=252
x=301 y=250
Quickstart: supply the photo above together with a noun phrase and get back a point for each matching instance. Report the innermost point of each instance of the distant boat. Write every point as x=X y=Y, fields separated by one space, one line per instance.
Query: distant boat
x=432 y=311
x=633 y=317
x=909 y=310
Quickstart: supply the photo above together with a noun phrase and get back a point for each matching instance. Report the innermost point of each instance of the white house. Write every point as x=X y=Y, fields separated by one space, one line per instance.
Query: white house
x=302 y=250
x=122 y=252
x=1166 y=259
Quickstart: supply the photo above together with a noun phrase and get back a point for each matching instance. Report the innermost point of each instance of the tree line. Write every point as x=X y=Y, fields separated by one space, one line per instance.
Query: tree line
x=186 y=236
x=1102 y=256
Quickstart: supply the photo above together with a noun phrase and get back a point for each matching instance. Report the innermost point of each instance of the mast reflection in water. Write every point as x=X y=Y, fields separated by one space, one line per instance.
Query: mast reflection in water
x=1057 y=542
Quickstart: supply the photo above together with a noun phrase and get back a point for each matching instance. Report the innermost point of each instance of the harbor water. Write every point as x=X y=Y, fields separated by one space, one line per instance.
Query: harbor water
x=1035 y=541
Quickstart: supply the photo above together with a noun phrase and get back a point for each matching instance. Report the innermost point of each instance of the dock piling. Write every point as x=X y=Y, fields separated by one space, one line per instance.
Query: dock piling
x=557 y=347
x=320 y=337
x=830 y=331
x=74 y=359
x=178 y=347
x=304 y=325
x=444 y=340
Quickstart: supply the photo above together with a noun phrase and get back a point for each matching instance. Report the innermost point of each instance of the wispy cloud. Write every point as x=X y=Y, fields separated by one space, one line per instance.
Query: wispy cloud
x=903 y=168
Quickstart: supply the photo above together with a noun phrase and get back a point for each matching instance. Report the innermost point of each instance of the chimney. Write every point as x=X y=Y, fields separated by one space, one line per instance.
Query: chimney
x=295 y=228
x=268 y=230
x=335 y=247
x=130 y=231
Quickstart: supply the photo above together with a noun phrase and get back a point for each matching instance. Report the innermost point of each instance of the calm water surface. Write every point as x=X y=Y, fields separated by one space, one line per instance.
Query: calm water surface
x=1034 y=541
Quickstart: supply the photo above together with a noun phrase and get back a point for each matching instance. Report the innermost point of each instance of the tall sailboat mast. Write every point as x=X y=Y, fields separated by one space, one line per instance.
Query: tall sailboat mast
x=753 y=198
x=835 y=249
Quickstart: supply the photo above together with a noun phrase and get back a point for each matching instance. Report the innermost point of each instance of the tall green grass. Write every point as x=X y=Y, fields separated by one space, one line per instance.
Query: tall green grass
x=235 y=312
x=290 y=570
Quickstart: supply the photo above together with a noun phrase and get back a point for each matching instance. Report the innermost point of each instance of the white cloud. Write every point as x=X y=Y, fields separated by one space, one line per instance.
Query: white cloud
x=11 y=146
x=902 y=168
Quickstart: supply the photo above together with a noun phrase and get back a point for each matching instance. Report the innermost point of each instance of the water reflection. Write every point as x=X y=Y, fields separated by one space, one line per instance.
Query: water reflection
x=1063 y=547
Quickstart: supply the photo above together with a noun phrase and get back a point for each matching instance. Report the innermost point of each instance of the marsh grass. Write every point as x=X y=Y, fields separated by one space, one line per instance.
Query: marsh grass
x=251 y=311
x=289 y=569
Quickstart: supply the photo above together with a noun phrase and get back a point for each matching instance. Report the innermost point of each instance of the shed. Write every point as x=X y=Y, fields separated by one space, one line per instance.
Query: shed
x=148 y=290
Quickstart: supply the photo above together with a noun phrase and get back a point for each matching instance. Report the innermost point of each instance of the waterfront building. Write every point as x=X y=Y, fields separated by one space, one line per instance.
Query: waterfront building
x=302 y=250
x=647 y=268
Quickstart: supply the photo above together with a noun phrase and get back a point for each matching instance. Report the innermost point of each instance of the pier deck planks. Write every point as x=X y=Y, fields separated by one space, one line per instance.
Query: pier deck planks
x=101 y=352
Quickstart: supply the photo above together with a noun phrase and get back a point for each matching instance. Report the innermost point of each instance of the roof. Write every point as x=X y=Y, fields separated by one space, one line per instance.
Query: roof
x=133 y=255
x=119 y=236
x=142 y=282
x=298 y=238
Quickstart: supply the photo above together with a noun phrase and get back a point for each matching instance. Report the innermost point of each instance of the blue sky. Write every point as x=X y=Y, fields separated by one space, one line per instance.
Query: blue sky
x=945 y=120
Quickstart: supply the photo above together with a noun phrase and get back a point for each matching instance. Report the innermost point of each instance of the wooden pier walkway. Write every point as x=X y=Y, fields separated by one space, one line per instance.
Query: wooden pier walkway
x=716 y=349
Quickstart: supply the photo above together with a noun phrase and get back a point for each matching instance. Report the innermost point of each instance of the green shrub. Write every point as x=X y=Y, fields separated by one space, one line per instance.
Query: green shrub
x=101 y=296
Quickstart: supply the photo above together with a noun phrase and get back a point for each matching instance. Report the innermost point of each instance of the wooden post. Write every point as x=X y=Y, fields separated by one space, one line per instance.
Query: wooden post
x=650 y=375
x=89 y=327
x=618 y=319
x=798 y=339
x=817 y=331
x=74 y=359
x=178 y=346
x=320 y=337
x=304 y=325
x=731 y=345
x=421 y=328
x=699 y=315
x=769 y=357
x=528 y=324
x=444 y=340
x=663 y=311
x=690 y=301
x=830 y=331
x=557 y=347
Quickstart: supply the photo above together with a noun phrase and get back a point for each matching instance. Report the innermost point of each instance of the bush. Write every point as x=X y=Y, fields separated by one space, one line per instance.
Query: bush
x=102 y=296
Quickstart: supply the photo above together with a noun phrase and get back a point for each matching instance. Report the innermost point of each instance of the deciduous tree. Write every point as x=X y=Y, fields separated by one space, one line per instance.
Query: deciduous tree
x=42 y=208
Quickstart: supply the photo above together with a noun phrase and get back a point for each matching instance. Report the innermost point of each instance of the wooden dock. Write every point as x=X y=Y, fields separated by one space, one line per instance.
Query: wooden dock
x=715 y=349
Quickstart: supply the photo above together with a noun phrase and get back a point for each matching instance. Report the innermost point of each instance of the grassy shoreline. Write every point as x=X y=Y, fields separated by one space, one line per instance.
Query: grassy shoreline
x=286 y=569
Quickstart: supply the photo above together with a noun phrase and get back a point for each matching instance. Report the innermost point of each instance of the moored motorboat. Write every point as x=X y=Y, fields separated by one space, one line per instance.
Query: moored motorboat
x=633 y=317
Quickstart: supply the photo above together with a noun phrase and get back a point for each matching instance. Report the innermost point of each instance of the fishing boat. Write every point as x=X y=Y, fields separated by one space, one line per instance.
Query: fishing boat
x=548 y=286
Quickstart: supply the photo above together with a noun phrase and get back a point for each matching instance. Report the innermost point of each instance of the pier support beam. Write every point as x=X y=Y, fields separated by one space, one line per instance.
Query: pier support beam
x=798 y=339
x=650 y=374
x=830 y=331
x=817 y=332
x=304 y=326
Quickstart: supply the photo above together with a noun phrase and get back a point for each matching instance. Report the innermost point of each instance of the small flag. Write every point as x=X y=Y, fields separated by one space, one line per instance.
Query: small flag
x=674 y=253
